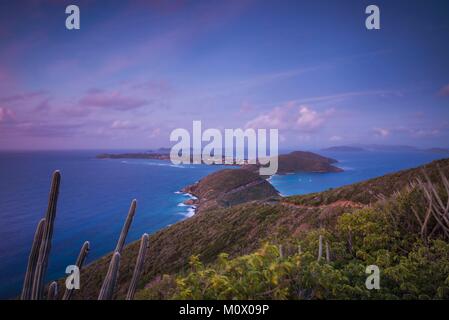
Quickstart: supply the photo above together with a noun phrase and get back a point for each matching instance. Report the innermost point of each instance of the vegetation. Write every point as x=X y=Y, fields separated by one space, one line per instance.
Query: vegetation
x=229 y=187
x=386 y=235
x=304 y=247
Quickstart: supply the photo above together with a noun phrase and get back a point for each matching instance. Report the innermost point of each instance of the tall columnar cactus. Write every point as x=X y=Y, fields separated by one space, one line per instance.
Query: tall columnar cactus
x=328 y=252
x=107 y=289
x=320 y=247
x=79 y=263
x=126 y=226
x=32 y=261
x=139 y=266
x=52 y=291
x=45 y=247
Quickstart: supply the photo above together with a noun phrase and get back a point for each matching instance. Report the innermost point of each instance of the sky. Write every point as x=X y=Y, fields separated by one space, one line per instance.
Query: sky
x=136 y=70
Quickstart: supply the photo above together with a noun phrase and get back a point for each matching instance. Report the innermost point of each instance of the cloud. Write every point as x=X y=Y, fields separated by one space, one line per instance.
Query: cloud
x=155 y=132
x=309 y=120
x=6 y=115
x=381 y=132
x=111 y=100
x=24 y=96
x=122 y=125
x=335 y=138
x=291 y=116
x=444 y=92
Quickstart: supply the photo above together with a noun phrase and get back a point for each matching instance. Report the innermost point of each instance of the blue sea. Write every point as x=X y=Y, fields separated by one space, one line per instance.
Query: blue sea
x=357 y=166
x=95 y=196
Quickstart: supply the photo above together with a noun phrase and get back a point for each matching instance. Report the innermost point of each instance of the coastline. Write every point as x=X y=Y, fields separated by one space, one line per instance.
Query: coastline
x=191 y=208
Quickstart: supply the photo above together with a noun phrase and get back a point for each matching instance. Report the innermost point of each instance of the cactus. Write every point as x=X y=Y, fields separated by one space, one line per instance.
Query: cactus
x=107 y=289
x=32 y=260
x=126 y=226
x=79 y=263
x=52 y=291
x=139 y=266
x=45 y=246
x=320 y=247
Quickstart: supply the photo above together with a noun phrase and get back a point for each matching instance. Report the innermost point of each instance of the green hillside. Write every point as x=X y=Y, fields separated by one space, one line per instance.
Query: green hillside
x=270 y=248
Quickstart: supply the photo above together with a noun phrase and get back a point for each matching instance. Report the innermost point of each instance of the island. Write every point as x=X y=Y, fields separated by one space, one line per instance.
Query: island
x=297 y=161
x=344 y=149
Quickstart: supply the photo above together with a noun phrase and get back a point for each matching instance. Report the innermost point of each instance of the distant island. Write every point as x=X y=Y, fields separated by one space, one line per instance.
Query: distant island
x=438 y=150
x=344 y=149
x=297 y=161
x=384 y=148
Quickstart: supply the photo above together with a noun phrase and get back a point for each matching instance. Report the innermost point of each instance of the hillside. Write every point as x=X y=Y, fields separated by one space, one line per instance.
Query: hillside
x=303 y=161
x=242 y=229
x=230 y=187
x=368 y=192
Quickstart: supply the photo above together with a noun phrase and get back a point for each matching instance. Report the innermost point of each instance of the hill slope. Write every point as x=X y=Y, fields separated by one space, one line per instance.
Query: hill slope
x=230 y=187
x=242 y=229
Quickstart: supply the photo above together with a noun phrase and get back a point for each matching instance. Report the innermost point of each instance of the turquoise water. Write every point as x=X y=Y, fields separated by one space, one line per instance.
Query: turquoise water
x=95 y=197
x=357 y=166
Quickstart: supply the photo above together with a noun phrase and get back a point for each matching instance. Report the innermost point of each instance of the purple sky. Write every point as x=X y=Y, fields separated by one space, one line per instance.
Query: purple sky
x=137 y=70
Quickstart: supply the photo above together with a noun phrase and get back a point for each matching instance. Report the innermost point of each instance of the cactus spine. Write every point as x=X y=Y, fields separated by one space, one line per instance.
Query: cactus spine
x=52 y=291
x=139 y=266
x=107 y=289
x=47 y=234
x=32 y=260
x=79 y=263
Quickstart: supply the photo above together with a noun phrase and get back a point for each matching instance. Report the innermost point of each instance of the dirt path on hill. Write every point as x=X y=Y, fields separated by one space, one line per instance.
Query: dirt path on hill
x=338 y=203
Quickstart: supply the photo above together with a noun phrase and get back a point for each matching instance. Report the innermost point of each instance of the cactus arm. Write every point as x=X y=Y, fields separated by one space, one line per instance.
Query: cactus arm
x=32 y=261
x=79 y=263
x=139 y=266
x=52 y=291
x=107 y=289
x=45 y=247
x=126 y=226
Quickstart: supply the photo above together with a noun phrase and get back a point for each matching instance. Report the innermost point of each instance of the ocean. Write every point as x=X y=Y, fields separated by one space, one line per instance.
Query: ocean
x=95 y=196
x=357 y=166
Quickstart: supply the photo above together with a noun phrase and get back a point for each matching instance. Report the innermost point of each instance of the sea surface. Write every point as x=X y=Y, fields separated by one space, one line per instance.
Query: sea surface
x=95 y=196
x=357 y=166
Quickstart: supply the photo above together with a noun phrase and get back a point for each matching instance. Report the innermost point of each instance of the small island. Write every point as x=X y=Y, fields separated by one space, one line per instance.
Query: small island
x=344 y=149
x=297 y=161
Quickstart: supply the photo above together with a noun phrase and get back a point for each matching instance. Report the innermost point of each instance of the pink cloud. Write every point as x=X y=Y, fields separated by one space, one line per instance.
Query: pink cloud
x=24 y=96
x=6 y=115
x=291 y=116
x=122 y=125
x=381 y=132
x=111 y=100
